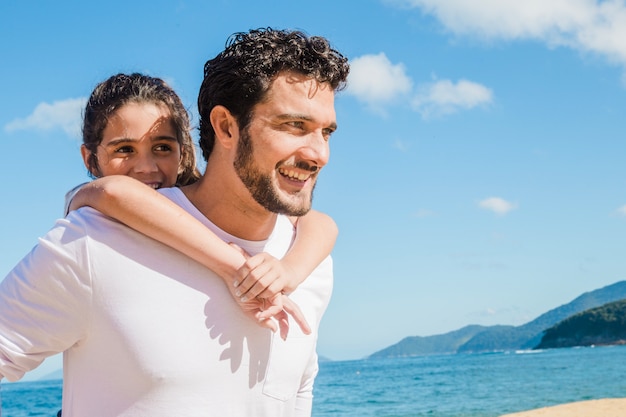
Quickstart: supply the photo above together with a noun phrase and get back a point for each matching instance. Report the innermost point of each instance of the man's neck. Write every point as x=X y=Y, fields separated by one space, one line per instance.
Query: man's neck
x=231 y=208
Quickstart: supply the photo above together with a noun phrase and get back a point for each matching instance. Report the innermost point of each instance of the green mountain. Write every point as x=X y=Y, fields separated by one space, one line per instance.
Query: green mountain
x=429 y=345
x=605 y=325
x=476 y=338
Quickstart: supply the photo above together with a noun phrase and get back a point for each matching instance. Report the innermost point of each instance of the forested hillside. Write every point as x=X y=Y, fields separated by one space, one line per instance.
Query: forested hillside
x=605 y=325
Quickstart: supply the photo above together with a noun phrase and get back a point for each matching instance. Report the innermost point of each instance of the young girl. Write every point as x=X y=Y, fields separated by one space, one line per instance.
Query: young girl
x=136 y=130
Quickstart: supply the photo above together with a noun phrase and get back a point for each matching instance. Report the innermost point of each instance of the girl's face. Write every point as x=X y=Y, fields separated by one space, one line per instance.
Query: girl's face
x=139 y=141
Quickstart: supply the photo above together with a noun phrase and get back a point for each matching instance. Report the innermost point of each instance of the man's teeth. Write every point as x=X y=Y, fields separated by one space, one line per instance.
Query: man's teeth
x=294 y=175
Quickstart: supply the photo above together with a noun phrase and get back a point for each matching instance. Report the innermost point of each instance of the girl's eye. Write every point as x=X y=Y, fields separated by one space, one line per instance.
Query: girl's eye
x=163 y=148
x=124 y=149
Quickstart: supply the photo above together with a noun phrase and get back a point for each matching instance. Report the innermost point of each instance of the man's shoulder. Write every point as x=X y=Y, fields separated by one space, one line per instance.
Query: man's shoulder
x=87 y=221
x=69 y=196
x=84 y=216
x=175 y=194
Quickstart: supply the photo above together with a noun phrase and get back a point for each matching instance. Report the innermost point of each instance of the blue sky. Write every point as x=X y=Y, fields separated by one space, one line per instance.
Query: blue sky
x=477 y=175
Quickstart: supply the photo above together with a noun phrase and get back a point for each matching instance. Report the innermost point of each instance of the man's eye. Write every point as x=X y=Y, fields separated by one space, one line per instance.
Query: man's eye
x=296 y=124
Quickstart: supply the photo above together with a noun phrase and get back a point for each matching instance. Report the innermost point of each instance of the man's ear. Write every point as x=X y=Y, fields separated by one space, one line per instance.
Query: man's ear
x=225 y=126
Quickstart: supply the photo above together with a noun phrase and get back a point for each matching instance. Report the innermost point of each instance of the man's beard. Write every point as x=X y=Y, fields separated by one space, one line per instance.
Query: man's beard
x=260 y=184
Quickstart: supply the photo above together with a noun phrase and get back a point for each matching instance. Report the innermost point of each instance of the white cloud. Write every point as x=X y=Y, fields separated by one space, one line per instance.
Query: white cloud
x=622 y=211
x=497 y=205
x=376 y=81
x=595 y=26
x=445 y=97
x=65 y=115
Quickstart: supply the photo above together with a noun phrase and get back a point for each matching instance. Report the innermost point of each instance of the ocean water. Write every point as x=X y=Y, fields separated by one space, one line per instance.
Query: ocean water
x=466 y=385
x=469 y=385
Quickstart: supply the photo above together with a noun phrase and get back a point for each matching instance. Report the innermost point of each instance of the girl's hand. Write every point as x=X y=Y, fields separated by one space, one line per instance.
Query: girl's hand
x=262 y=276
x=274 y=310
x=274 y=313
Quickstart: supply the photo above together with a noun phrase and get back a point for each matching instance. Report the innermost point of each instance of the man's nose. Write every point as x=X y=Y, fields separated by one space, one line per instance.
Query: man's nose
x=316 y=149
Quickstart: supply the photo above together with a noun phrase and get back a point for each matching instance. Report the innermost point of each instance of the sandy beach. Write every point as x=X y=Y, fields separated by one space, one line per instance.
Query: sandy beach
x=609 y=407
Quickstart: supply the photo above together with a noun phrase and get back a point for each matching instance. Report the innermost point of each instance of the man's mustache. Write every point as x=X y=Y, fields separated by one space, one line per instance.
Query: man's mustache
x=306 y=166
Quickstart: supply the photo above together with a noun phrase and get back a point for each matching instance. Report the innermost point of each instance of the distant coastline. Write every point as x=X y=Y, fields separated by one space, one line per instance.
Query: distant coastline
x=596 y=317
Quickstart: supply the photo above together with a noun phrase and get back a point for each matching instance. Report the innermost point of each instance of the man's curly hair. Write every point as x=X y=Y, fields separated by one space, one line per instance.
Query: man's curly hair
x=239 y=77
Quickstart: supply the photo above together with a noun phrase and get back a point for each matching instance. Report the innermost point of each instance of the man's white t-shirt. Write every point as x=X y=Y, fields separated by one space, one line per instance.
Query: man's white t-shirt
x=146 y=331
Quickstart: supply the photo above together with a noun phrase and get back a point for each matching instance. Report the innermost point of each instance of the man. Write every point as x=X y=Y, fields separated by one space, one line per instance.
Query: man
x=145 y=331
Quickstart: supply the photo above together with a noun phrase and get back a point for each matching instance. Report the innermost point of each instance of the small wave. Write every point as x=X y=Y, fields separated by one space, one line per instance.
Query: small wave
x=528 y=351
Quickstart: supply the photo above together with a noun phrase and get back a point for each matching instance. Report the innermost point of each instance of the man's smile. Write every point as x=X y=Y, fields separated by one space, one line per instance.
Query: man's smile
x=293 y=174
